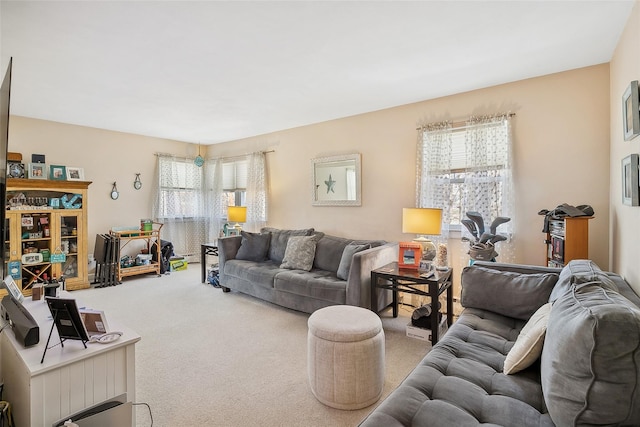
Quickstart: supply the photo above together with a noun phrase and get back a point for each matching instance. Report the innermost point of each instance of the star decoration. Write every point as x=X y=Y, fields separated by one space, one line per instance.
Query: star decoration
x=330 y=183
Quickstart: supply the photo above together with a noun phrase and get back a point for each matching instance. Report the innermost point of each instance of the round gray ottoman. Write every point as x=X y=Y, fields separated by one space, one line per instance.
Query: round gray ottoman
x=345 y=356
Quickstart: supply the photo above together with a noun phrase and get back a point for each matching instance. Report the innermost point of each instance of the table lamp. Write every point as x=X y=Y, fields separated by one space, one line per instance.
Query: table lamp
x=423 y=221
x=237 y=214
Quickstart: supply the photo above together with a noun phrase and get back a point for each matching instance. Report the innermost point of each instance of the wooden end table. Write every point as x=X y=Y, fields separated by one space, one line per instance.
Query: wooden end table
x=207 y=249
x=414 y=282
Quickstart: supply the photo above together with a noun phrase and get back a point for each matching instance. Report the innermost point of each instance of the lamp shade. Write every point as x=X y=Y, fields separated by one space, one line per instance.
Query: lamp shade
x=422 y=221
x=237 y=213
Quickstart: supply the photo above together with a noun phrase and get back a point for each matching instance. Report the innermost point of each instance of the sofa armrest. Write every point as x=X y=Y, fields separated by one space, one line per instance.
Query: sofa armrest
x=227 y=250
x=359 y=283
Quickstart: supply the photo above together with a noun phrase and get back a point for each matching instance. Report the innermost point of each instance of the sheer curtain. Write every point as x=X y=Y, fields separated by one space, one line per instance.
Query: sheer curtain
x=215 y=198
x=488 y=180
x=433 y=177
x=477 y=177
x=179 y=205
x=257 y=194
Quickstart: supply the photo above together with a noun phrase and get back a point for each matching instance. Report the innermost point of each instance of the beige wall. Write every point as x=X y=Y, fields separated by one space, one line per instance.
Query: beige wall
x=106 y=157
x=561 y=155
x=625 y=220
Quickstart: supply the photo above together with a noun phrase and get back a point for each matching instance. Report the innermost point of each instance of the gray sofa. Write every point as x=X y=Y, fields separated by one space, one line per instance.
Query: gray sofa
x=588 y=372
x=336 y=270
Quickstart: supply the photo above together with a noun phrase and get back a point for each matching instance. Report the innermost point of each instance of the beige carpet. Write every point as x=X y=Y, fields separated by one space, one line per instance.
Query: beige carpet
x=209 y=358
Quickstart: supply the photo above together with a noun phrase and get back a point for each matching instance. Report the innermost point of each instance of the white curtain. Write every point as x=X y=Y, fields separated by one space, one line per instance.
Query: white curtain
x=488 y=180
x=257 y=192
x=179 y=205
x=485 y=166
x=433 y=183
x=215 y=199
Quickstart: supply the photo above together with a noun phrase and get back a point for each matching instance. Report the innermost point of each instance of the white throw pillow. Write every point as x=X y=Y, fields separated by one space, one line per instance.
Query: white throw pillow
x=299 y=253
x=528 y=346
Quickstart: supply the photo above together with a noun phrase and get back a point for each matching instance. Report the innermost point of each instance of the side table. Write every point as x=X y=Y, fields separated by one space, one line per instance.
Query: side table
x=414 y=282
x=206 y=249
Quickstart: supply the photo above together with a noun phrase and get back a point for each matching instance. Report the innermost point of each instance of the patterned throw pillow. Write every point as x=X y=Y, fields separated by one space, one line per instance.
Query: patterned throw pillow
x=299 y=253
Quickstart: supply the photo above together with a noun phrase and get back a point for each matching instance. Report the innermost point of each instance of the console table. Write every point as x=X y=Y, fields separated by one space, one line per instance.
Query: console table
x=414 y=282
x=71 y=378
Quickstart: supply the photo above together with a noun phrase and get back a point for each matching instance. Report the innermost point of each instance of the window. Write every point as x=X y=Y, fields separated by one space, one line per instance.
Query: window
x=180 y=188
x=234 y=182
x=466 y=169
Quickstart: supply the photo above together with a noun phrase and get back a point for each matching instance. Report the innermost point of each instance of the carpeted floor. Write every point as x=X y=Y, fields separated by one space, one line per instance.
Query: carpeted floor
x=209 y=358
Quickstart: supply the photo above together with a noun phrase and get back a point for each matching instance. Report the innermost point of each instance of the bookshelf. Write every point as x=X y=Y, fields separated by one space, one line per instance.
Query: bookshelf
x=567 y=239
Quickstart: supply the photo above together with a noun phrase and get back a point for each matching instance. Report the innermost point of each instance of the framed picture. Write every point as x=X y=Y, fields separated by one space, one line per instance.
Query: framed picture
x=409 y=255
x=630 y=180
x=57 y=173
x=631 y=112
x=75 y=174
x=37 y=171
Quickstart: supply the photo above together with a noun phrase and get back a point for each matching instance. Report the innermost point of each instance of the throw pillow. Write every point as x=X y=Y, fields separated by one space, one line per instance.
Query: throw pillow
x=503 y=292
x=254 y=246
x=528 y=346
x=589 y=367
x=279 y=239
x=299 y=253
x=347 y=255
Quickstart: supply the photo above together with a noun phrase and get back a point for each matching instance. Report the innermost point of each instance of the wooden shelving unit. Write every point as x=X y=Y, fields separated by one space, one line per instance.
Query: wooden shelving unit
x=149 y=238
x=567 y=239
x=38 y=223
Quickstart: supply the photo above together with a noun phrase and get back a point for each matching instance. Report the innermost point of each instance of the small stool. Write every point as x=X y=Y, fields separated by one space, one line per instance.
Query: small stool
x=345 y=356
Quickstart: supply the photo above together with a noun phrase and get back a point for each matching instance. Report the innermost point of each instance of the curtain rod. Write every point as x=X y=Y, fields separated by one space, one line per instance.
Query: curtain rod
x=459 y=124
x=223 y=158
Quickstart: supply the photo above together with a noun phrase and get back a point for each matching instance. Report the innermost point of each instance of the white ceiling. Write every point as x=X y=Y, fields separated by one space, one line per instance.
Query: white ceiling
x=210 y=72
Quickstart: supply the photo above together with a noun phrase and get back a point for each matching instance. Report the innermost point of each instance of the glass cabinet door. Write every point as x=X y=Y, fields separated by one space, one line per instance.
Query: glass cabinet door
x=35 y=248
x=69 y=224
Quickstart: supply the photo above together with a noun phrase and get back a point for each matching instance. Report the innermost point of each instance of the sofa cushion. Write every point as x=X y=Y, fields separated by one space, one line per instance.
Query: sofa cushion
x=345 y=261
x=511 y=294
x=460 y=381
x=580 y=271
x=318 y=284
x=299 y=253
x=254 y=247
x=329 y=252
x=590 y=363
x=528 y=346
x=279 y=239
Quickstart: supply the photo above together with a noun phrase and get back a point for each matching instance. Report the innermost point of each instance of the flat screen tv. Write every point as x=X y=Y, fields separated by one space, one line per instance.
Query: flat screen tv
x=5 y=97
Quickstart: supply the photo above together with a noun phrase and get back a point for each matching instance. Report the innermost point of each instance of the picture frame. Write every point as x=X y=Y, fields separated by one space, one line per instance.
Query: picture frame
x=631 y=111
x=75 y=174
x=13 y=289
x=409 y=255
x=57 y=172
x=38 y=171
x=630 y=184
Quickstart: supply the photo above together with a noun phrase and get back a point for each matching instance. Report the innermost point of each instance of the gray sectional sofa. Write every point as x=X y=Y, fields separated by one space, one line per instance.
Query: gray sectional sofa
x=588 y=372
x=303 y=269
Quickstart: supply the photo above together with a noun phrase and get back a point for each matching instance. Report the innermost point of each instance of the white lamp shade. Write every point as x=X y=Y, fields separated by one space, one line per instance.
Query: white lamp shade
x=422 y=221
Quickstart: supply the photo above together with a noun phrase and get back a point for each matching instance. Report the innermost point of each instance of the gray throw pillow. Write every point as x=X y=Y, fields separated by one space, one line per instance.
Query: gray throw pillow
x=510 y=294
x=253 y=246
x=590 y=364
x=279 y=239
x=347 y=255
x=580 y=271
x=299 y=253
